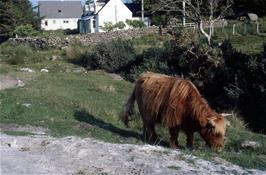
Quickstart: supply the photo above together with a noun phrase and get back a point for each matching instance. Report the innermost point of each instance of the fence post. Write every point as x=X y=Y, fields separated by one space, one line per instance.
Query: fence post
x=245 y=29
x=258 y=31
x=234 y=30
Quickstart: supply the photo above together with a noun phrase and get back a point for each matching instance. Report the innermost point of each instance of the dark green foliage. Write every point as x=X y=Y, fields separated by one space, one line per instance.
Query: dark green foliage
x=135 y=23
x=110 y=56
x=24 y=31
x=227 y=78
x=14 y=13
x=120 y=25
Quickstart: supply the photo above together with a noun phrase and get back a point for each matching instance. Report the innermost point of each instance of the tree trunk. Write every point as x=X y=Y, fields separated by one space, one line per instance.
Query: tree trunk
x=204 y=33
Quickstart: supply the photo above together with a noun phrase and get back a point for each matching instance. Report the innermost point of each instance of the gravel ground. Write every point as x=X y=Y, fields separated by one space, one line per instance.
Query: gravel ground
x=40 y=154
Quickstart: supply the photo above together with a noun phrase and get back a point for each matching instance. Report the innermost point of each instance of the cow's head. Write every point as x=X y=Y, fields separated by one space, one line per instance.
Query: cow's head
x=213 y=132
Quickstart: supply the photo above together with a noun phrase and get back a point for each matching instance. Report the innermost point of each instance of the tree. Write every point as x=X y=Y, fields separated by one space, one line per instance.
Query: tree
x=14 y=13
x=202 y=12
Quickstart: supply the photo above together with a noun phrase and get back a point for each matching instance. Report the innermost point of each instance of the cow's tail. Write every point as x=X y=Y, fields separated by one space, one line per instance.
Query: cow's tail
x=127 y=110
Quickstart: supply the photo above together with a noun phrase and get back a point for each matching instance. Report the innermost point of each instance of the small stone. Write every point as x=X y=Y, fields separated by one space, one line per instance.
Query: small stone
x=44 y=70
x=20 y=83
x=250 y=144
x=27 y=70
x=26 y=105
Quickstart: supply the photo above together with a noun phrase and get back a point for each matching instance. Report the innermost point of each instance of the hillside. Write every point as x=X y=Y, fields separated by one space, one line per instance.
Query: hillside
x=54 y=111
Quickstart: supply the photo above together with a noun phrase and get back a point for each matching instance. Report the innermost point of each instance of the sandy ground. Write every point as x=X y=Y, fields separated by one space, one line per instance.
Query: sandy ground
x=40 y=154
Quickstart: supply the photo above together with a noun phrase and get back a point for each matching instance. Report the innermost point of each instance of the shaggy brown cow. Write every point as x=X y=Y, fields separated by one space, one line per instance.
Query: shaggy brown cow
x=177 y=104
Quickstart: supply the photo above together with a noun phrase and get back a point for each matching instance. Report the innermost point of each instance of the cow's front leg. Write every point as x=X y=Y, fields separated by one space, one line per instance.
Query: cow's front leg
x=190 y=140
x=174 y=131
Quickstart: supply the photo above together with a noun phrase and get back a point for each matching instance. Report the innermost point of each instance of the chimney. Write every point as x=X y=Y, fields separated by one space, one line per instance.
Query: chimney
x=94 y=4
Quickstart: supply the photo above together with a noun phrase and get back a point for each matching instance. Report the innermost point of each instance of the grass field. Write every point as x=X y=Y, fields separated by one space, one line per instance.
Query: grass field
x=87 y=103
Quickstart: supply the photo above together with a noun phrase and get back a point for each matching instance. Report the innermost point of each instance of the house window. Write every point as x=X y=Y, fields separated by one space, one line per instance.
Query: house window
x=65 y=21
x=54 y=21
x=94 y=23
x=59 y=11
x=46 y=23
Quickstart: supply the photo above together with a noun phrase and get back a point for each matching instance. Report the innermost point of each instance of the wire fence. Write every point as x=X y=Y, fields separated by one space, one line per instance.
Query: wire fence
x=234 y=28
x=242 y=28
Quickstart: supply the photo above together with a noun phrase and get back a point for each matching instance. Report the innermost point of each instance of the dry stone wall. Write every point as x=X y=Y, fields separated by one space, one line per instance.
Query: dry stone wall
x=87 y=39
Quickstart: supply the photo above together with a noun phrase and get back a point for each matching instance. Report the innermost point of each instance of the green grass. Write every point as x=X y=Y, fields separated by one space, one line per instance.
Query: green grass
x=18 y=133
x=249 y=42
x=83 y=104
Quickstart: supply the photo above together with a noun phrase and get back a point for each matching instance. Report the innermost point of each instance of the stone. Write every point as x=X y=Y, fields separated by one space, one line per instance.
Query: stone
x=20 y=83
x=250 y=144
x=27 y=70
x=44 y=70
x=26 y=105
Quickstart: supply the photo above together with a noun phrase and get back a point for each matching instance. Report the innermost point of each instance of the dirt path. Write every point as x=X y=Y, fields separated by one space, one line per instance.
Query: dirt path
x=72 y=155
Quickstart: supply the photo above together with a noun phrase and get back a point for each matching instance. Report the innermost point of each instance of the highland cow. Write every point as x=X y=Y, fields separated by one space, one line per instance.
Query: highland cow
x=177 y=104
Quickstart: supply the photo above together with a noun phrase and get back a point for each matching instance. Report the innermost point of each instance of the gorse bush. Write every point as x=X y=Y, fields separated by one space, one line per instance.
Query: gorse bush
x=110 y=56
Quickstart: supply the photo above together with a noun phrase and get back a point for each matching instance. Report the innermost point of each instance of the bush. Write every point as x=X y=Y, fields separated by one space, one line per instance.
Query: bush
x=110 y=56
x=108 y=26
x=135 y=23
x=24 y=31
x=120 y=25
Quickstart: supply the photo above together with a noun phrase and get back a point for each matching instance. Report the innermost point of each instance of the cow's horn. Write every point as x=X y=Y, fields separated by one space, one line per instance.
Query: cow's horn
x=226 y=114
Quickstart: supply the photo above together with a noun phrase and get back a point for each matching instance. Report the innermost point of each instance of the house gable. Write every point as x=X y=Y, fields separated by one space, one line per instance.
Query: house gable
x=114 y=11
x=59 y=14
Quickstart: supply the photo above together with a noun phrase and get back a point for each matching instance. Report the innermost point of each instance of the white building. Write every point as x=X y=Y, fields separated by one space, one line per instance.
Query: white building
x=99 y=12
x=60 y=14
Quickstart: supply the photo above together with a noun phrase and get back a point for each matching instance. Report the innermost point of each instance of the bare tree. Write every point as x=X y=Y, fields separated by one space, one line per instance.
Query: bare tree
x=202 y=12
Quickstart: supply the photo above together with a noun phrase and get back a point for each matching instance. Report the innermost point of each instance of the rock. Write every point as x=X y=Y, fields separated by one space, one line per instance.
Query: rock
x=72 y=155
x=27 y=70
x=26 y=105
x=115 y=76
x=253 y=17
x=53 y=58
x=250 y=144
x=44 y=70
x=79 y=70
x=20 y=83
x=7 y=82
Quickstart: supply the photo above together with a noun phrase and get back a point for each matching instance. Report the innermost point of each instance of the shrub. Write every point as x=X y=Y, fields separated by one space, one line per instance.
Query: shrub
x=110 y=56
x=135 y=23
x=120 y=25
x=24 y=31
x=108 y=26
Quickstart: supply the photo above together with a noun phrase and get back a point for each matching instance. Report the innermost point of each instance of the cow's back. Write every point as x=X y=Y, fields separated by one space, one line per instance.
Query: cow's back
x=152 y=91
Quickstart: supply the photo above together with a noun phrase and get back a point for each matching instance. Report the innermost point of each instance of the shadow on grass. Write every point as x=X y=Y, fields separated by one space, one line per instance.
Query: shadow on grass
x=83 y=116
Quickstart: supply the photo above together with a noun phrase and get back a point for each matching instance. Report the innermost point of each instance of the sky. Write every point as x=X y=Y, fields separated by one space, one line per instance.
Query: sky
x=35 y=2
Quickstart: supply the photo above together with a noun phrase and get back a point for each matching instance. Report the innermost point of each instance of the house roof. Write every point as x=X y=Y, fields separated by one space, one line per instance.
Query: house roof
x=136 y=9
x=60 y=9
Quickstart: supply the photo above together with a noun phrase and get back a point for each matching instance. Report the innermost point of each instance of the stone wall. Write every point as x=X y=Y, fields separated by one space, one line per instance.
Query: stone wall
x=87 y=39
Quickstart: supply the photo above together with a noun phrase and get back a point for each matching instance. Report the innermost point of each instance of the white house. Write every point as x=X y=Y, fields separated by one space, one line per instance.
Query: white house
x=97 y=12
x=59 y=14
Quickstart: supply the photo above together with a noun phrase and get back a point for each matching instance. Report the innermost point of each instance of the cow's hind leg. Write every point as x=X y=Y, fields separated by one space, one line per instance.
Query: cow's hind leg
x=149 y=133
x=174 y=131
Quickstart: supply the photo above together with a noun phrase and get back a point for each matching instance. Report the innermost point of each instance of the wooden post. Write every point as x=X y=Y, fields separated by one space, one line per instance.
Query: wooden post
x=184 y=12
x=142 y=10
x=234 y=30
x=258 y=25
